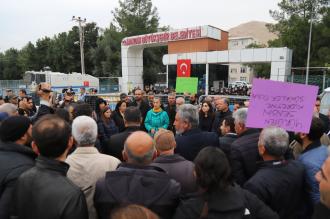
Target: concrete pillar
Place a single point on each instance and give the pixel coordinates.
(167, 76)
(132, 68)
(207, 80)
(280, 71)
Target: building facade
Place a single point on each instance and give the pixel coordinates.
(239, 71)
(207, 48)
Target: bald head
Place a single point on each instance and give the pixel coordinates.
(139, 148)
(164, 140)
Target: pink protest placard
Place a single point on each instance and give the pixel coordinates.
(286, 105)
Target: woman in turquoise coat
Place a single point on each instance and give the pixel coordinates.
(156, 118)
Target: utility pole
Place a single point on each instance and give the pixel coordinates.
(309, 46)
(81, 23)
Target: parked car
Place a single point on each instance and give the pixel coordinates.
(325, 101)
(240, 84)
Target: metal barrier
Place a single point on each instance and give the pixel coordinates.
(14, 85)
(232, 98)
(112, 99)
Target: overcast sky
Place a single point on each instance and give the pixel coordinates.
(22, 21)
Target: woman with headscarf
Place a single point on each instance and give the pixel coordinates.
(156, 118)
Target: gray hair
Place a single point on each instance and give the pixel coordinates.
(84, 130)
(275, 140)
(240, 115)
(144, 159)
(181, 99)
(8, 108)
(189, 113)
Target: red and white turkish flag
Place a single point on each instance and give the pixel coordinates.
(183, 67)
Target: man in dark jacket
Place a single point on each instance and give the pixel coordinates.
(322, 209)
(141, 104)
(170, 108)
(175, 166)
(115, 145)
(244, 150)
(136, 182)
(324, 118)
(44, 191)
(312, 157)
(190, 139)
(228, 134)
(278, 183)
(15, 157)
(222, 106)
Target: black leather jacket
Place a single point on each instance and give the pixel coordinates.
(14, 160)
(44, 191)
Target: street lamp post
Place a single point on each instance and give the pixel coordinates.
(309, 46)
(81, 40)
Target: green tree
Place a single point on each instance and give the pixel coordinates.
(27, 58)
(43, 53)
(2, 64)
(292, 27)
(321, 43)
(11, 69)
(106, 54)
(136, 17)
(91, 32)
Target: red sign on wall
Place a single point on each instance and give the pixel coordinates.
(183, 67)
(86, 83)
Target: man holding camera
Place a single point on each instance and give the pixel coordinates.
(45, 94)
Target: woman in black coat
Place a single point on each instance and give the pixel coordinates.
(118, 115)
(206, 117)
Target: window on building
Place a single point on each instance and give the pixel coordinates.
(233, 70)
(243, 69)
(242, 78)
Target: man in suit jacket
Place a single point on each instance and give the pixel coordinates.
(190, 139)
(141, 104)
(115, 145)
(324, 118)
(244, 153)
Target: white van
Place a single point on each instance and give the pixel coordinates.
(325, 101)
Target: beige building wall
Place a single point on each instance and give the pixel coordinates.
(240, 72)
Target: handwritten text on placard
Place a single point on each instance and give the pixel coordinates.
(286, 105)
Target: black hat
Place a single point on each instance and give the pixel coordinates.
(69, 91)
(13, 128)
(123, 96)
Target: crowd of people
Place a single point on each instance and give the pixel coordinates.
(149, 159)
